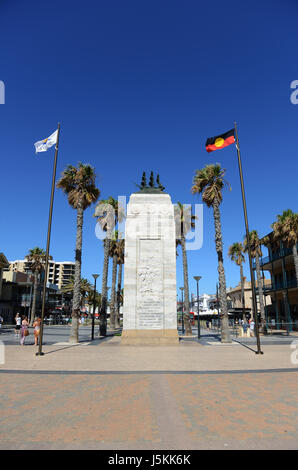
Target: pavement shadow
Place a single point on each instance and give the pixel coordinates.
(95, 342)
(62, 349)
(245, 346)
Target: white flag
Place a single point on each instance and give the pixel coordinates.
(44, 145)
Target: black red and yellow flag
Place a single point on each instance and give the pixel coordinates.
(220, 141)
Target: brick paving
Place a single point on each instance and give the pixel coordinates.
(107, 396)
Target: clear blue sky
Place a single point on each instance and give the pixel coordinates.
(140, 85)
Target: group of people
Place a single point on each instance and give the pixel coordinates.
(22, 328)
(248, 328)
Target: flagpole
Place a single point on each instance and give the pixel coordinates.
(248, 246)
(40, 353)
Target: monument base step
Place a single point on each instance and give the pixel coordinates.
(149, 337)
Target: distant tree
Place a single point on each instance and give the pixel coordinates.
(85, 288)
(256, 252)
(90, 299)
(120, 260)
(113, 255)
(236, 254)
(36, 258)
(184, 221)
(109, 212)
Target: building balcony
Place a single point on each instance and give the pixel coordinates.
(264, 260)
(291, 284)
(274, 256)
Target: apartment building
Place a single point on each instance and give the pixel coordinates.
(59, 272)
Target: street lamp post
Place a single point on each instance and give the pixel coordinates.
(93, 316)
(197, 278)
(182, 289)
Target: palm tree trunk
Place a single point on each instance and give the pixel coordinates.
(103, 307)
(118, 295)
(33, 308)
(225, 330)
(188, 330)
(74, 332)
(113, 294)
(242, 293)
(260, 292)
(295, 256)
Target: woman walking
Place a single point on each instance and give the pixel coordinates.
(24, 330)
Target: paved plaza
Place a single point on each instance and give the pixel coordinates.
(103, 395)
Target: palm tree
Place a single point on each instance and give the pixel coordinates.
(236, 254)
(79, 186)
(109, 212)
(37, 258)
(184, 221)
(209, 181)
(286, 230)
(120, 261)
(256, 252)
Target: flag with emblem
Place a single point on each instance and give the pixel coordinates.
(220, 141)
(45, 144)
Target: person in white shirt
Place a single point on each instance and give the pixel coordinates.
(252, 328)
(18, 321)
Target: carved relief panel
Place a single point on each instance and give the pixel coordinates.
(150, 284)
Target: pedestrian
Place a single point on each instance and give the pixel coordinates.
(1, 321)
(252, 328)
(18, 321)
(36, 330)
(207, 324)
(244, 326)
(24, 330)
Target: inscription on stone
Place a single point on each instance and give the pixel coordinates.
(150, 314)
(150, 321)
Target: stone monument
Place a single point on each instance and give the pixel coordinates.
(149, 309)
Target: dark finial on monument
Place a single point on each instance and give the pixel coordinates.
(160, 186)
(151, 181)
(144, 181)
(152, 187)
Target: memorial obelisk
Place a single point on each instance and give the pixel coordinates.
(150, 309)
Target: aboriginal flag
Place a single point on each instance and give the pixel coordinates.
(220, 141)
